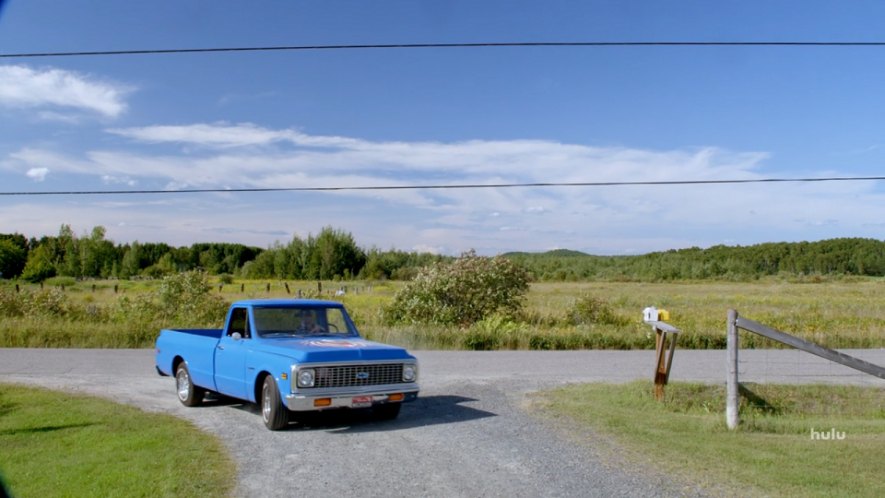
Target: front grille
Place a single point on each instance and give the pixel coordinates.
(359, 375)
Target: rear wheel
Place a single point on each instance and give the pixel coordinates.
(274, 414)
(188, 393)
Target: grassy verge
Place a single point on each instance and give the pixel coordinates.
(773, 452)
(56, 444)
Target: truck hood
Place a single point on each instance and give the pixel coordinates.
(331, 349)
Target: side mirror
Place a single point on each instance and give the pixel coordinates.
(236, 336)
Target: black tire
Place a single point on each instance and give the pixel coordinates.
(188, 393)
(387, 411)
(273, 413)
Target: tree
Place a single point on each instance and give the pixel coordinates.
(39, 266)
(12, 259)
(131, 264)
(338, 254)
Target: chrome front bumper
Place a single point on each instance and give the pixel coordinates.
(358, 397)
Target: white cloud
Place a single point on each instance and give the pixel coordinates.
(37, 174)
(217, 135)
(26, 87)
(430, 249)
(227, 135)
(118, 180)
(593, 219)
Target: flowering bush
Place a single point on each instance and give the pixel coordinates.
(462, 292)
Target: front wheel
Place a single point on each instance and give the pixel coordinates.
(274, 414)
(188, 393)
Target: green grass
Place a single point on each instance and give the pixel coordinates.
(771, 453)
(836, 313)
(58, 444)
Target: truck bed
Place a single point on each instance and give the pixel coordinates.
(197, 346)
(214, 333)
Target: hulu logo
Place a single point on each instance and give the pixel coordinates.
(830, 435)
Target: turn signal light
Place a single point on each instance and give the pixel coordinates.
(322, 402)
(395, 397)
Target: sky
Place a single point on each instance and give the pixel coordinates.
(399, 117)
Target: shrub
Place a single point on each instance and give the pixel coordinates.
(589, 310)
(187, 299)
(11, 303)
(461, 292)
(49, 302)
(494, 332)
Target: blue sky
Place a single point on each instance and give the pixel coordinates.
(434, 116)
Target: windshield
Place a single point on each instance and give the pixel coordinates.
(301, 321)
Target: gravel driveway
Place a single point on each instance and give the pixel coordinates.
(469, 434)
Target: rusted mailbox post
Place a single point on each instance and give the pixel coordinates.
(665, 346)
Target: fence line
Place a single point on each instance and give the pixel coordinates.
(810, 347)
(735, 323)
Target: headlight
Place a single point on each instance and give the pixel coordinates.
(410, 373)
(306, 377)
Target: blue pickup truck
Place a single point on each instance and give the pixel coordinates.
(288, 356)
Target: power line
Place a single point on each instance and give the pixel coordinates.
(597, 44)
(450, 187)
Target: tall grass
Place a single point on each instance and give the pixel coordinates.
(839, 313)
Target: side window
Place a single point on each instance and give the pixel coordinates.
(239, 322)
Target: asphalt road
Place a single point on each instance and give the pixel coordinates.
(471, 432)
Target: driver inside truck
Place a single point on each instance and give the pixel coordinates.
(309, 323)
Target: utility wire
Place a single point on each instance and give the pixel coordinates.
(598, 44)
(450, 187)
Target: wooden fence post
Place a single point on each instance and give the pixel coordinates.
(731, 385)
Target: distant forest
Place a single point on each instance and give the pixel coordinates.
(334, 255)
(845, 256)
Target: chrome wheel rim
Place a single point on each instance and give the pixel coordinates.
(183, 382)
(265, 402)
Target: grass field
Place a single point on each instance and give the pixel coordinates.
(58, 444)
(773, 453)
(838, 313)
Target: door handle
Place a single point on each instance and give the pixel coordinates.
(220, 347)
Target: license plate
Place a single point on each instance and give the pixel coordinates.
(361, 402)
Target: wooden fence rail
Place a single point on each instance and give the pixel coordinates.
(736, 322)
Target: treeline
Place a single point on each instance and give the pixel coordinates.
(844, 256)
(331, 255)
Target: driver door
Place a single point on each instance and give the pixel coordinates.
(230, 355)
